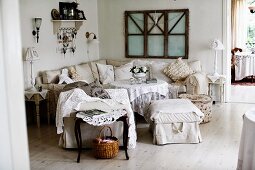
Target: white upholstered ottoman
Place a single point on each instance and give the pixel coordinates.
(174, 121)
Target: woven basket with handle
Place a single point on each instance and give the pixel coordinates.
(105, 147)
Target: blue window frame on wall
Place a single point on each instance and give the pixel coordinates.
(157, 34)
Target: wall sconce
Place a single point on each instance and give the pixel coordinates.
(37, 25)
(91, 36)
(252, 9)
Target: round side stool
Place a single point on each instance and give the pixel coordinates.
(203, 102)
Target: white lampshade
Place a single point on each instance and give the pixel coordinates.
(31, 54)
(217, 45)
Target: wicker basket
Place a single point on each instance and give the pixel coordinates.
(203, 102)
(106, 149)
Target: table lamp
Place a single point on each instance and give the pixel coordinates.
(31, 56)
(216, 45)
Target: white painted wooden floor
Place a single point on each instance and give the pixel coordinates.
(219, 149)
(242, 94)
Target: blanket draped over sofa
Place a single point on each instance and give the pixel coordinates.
(77, 100)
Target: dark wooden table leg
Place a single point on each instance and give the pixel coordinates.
(77, 130)
(125, 136)
(124, 119)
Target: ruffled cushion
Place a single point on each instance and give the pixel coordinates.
(178, 70)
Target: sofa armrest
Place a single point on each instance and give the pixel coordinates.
(197, 83)
(54, 91)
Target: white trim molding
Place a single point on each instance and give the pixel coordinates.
(226, 62)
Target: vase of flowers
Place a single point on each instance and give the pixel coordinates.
(139, 72)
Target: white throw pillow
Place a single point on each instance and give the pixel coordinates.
(123, 72)
(178, 70)
(106, 73)
(195, 66)
(85, 73)
(157, 68)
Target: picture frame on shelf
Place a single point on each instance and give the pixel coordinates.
(80, 15)
(67, 10)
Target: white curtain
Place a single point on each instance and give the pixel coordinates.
(239, 12)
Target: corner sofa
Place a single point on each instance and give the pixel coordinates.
(194, 83)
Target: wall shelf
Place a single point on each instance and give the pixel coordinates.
(58, 23)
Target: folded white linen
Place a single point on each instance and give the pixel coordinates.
(77, 100)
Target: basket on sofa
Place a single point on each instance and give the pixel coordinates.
(106, 147)
(203, 102)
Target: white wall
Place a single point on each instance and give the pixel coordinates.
(49, 58)
(205, 25)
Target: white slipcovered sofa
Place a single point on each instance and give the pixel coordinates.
(194, 83)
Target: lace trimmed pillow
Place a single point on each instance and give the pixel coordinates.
(178, 70)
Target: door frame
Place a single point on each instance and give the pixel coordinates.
(226, 61)
(14, 142)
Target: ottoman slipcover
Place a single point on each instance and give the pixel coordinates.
(174, 121)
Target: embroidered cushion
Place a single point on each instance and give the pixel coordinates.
(178, 70)
(106, 73)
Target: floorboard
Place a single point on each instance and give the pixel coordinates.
(219, 149)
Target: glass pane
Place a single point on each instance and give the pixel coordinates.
(173, 18)
(155, 22)
(135, 45)
(176, 45)
(156, 45)
(132, 27)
